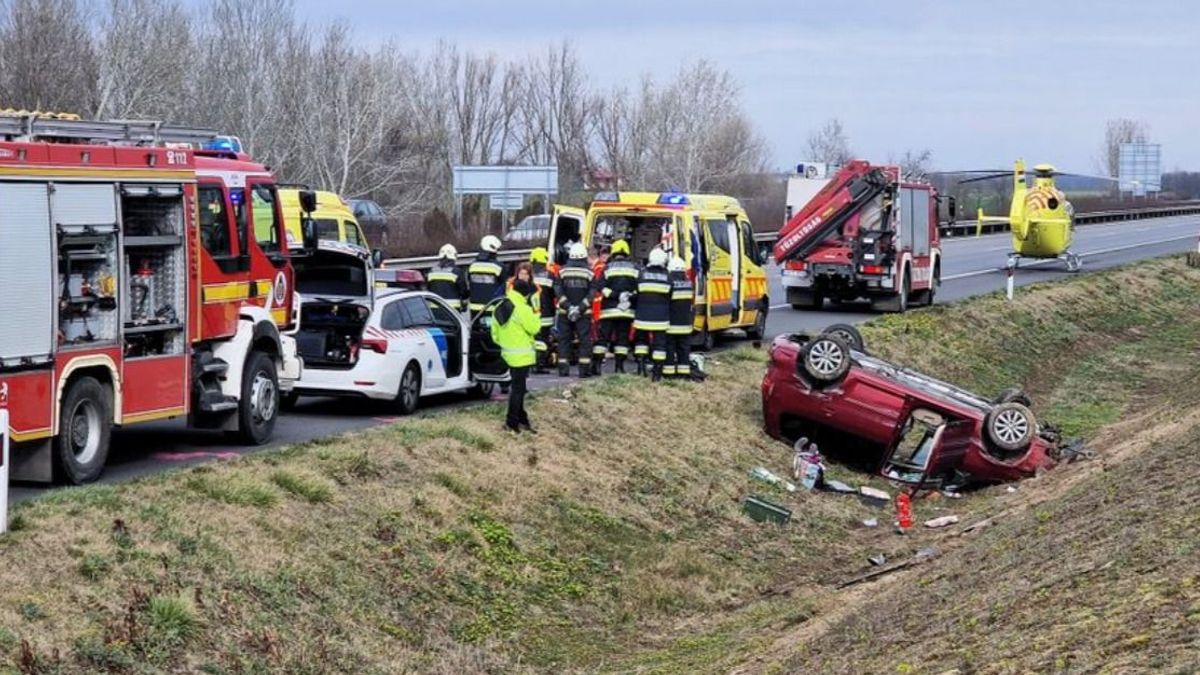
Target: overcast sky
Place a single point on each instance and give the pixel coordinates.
(978, 83)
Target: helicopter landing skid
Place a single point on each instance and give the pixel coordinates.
(1073, 261)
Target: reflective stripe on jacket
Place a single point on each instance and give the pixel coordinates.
(653, 300)
(486, 278)
(682, 300)
(448, 282)
(620, 276)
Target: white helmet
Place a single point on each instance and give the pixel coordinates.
(490, 243)
(448, 252)
(658, 257)
(577, 251)
(677, 264)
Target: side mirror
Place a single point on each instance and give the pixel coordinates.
(951, 207)
(309, 230)
(376, 258)
(308, 201)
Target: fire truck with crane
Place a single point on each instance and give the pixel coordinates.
(866, 234)
(145, 275)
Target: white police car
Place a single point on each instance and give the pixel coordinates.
(382, 343)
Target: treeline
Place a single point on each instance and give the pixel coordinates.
(1182, 184)
(379, 121)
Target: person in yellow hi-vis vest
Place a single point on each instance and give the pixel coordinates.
(515, 325)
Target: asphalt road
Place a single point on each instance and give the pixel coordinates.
(971, 266)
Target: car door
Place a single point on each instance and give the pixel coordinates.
(427, 340)
(720, 271)
(566, 226)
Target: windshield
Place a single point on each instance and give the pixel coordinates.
(911, 456)
(327, 228)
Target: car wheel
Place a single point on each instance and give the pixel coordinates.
(288, 401)
(1010, 426)
(848, 334)
(409, 394)
(483, 390)
(258, 408)
(1013, 394)
(827, 358)
(84, 429)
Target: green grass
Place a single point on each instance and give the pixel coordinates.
(311, 489)
(239, 492)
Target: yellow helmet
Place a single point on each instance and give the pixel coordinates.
(620, 247)
(539, 255)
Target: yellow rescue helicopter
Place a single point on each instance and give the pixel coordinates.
(1041, 219)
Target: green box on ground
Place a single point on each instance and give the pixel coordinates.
(762, 510)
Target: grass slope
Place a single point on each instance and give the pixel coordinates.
(615, 543)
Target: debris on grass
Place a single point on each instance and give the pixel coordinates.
(941, 522)
(874, 494)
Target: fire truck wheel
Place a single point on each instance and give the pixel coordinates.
(85, 423)
(258, 408)
(409, 394)
(827, 358)
(1010, 426)
(849, 334)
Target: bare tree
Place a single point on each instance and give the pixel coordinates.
(137, 76)
(47, 56)
(914, 164)
(829, 144)
(1118, 131)
(555, 121)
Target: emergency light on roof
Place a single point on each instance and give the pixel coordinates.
(672, 199)
(224, 144)
(606, 197)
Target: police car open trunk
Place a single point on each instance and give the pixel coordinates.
(335, 290)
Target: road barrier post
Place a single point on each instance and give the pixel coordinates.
(1010, 279)
(3, 470)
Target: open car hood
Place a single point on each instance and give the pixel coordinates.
(336, 270)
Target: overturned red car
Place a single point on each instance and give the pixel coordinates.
(929, 433)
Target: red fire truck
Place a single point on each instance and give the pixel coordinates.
(142, 279)
(866, 234)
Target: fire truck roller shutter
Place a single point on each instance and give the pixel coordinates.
(26, 278)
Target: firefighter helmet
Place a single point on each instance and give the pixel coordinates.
(658, 257)
(677, 265)
(448, 252)
(620, 247)
(539, 255)
(577, 251)
(490, 243)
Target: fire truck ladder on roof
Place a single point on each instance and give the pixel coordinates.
(33, 127)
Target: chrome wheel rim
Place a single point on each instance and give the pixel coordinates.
(262, 398)
(408, 390)
(826, 357)
(1011, 426)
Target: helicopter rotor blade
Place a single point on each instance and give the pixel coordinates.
(1007, 174)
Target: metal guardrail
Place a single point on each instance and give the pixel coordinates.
(958, 229)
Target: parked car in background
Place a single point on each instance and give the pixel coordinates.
(371, 216)
(931, 433)
(531, 229)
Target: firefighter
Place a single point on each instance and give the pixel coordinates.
(447, 279)
(618, 288)
(573, 289)
(679, 332)
(543, 277)
(652, 317)
(485, 275)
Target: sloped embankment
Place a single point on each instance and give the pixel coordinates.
(614, 540)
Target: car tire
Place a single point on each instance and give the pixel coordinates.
(826, 359)
(258, 408)
(1015, 394)
(849, 334)
(288, 401)
(84, 431)
(482, 390)
(408, 395)
(1010, 427)
(704, 340)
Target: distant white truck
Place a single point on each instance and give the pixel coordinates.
(803, 185)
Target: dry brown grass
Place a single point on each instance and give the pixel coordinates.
(615, 543)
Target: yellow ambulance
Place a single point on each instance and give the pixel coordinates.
(333, 219)
(710, 232)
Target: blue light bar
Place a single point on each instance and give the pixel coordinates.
(606, 197)
(673, 199)
(224, 144)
